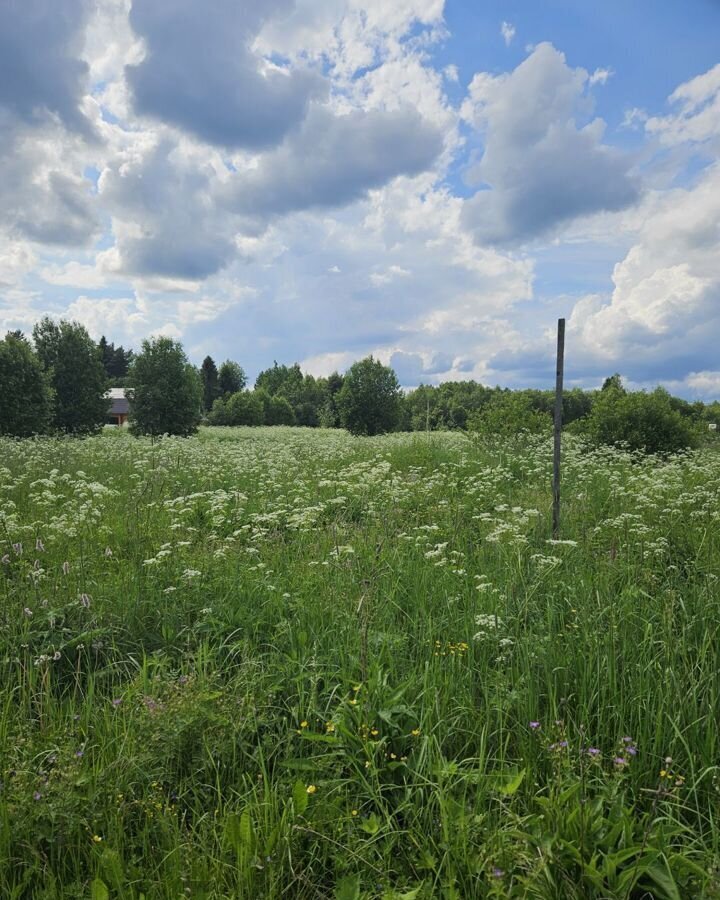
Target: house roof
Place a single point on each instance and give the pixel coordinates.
(119, 405)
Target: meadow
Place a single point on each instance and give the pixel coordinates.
(287, 662)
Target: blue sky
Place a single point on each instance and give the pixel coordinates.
(315, 180)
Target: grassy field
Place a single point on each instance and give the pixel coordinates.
(281, 662)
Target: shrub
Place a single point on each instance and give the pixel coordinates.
(509, 413)
(640, 421)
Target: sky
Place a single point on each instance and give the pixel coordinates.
(434, 182)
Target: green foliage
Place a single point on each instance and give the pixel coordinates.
(116, 360)
(369, 400)
(26, 398)
(614, 383)
(276, 410)
(509, 413)
(640, 421)
(241, 408)
(231, 378)
(286, 663)
(72, 361)
(165, 390)
(210, 383)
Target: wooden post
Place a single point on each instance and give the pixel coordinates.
(558, 426)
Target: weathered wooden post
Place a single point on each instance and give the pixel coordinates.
(558, 426)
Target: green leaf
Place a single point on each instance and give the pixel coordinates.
(371, 825)
(662, 878)
(348, 888)
(239, 832)
(300, 798)
(99, 890)
(512, 783)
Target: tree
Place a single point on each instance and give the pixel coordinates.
(211, 382)
(26, 399)
(614, 383)
(231, 378)
(244, 408)
(369, 400)
(165, 391)
(71, 358)
(508, 413)
(640, 421)
(116, 360)
(276, 410)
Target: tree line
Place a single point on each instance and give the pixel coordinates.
(58, 382)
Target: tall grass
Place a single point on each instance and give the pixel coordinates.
(278, 662)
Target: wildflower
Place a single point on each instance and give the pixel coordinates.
(57, 655)
(497, 872)
(620, 761)
(97, 839)
(311, 789)
(593, 751)
(5, 559)
(117, 701)
(330, 727)
(415, 732)
(304, 724)
(79, 753)
(27, 611)
(18, 548)
(354, 812)
(37, 795)
(534, 725)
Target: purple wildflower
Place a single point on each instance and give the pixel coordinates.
(117, 701)
(497, 872)
(79, 754)
(620, 761)
(593, 751)
(37, 795)
(534, 725)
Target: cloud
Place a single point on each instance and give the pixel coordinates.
(41, 73)
(165, 218)
(200, 72)
(663, 316)
(413, 368)
(44, 128)
(697, 116)
(336, 159)
(539, 169)
(508, 33)
(39, 200)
